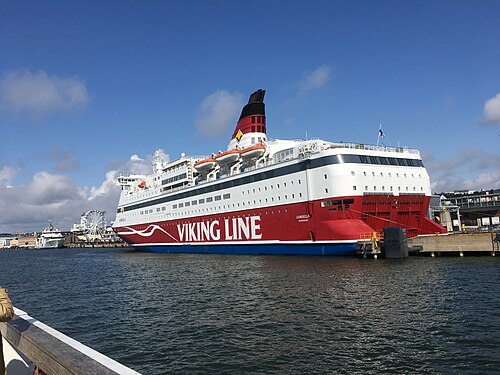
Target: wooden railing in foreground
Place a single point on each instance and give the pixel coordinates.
(54, 352)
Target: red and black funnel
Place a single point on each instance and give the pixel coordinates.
(253, 116)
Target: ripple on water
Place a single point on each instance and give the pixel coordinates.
(265, 315)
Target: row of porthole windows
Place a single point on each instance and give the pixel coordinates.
(216, 209)
(389, 174)
(223, 207)
(257, 213)
(271, 187)
(391, 188)
(201, 201)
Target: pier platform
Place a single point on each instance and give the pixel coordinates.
(461, 244)
(30, 343)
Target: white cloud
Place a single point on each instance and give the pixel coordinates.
(109, 185)
(7, 173)
(219, 113)
(40, 93)
(58, 198)
(135, 157)
(64, 161)
(491, 112)
(470, 170)
(316, 79)
(310, 81)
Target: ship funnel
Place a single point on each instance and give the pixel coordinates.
(252, 122)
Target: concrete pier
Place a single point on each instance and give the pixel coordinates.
(457, 243)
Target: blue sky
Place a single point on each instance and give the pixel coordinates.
(89, 89)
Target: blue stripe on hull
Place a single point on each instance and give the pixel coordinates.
(343, 249)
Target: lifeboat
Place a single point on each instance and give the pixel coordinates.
(205, 165)
(253, 152)
(142, 184)
(228, 157)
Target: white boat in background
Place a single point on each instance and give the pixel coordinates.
(50, 238)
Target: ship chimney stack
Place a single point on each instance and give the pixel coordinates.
(251, 126)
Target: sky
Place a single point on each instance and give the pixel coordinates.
(90, 89)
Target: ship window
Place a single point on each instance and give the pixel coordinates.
(181, 205)
(300, 195)
(201, 201)
(227, 196)
(209, 199)
(253, 140)
(259, 120)
(263, 128)
(293, 196)
(374, 188)
(187, 204)
(194, 202)
(354, 187)
(383, 188)
(364, 173)
(373, 174)
(326, 190)
(253, 119)
(326, 176)
(217, 198)
(157, 209)
(163, 208)
(352, 173)
(174, 206)
(299, 182)
(253, 129)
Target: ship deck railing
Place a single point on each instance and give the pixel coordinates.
(361, 146)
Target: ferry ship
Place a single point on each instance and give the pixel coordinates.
(50, 238)
(262, 196)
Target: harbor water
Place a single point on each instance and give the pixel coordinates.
(220, 314)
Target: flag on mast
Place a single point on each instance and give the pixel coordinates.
(380, 134)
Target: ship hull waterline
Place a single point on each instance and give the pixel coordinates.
(326, 249)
